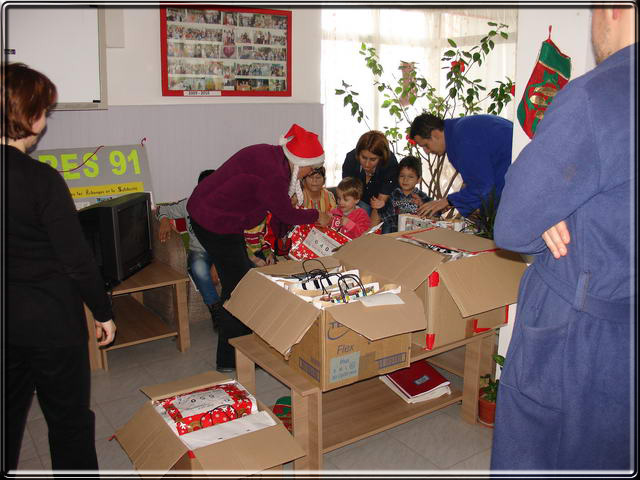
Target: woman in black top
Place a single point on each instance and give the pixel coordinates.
(375, 165)
(50, 272)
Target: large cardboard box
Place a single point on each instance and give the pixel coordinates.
(460, 297)
(337, 346)
(153, 446)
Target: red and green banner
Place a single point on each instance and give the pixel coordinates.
(551, 72)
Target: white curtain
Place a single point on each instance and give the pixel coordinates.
(410, 35)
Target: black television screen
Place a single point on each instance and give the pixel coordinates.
(119, 232)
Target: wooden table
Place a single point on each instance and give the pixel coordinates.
(323, 422)
(138, 324)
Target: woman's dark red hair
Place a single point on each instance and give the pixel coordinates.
(25, 95)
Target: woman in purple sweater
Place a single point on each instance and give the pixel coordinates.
(257, 179)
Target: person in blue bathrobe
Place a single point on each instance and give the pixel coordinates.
(478, 147)
(565, 394)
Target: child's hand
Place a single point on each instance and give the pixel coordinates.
(377, 203)
(344, 220)
(294, 200)
(271, 259)
(164, 230)
(416, 199)
(258, 262)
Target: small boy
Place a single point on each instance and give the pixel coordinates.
(348, 218)
(404, 199)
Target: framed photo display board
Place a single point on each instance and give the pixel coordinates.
(218, 51)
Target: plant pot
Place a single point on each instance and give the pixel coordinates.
(486, 411)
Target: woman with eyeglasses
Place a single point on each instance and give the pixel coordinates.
(314, 193)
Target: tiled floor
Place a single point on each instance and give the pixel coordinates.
(435, 442)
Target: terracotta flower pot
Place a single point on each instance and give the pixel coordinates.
(486, 411)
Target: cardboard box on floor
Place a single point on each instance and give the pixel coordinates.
(334, 347)
(152, 445)
(461, 297)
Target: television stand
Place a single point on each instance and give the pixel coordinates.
(137, 323)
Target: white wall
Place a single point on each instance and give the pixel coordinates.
(571, 32)
(134, 71)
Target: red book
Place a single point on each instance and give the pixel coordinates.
(417, 379)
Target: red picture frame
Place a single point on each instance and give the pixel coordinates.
(209, 51)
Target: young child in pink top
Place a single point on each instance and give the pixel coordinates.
(348, 218)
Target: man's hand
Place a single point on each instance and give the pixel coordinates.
(164, 230)
(557, 238)
(431, 208)
(324, 219)
(105, 332)
(377, 203)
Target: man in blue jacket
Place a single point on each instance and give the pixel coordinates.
(566, 389)
(478, 147)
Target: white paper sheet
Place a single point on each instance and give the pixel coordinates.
(379, 299)
(224, 431)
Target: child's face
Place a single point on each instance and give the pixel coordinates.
(407, 179)
(314, 182)
(346, 203)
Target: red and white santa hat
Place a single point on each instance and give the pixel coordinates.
(302, 149)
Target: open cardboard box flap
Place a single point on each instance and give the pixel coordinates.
(397, 261)
(463, 242)
(152, 445)
(484, 282)
(381, 321)
(281, 318)
(278, 317)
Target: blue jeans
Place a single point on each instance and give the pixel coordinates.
(199, 266)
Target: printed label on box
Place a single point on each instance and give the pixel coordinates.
(344, 367)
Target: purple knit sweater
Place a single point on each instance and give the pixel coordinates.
(238, 195)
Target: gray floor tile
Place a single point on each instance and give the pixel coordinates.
(443, 439)
(111, 456)
(35, 411)
(118, 412)
(111, 385)
(32, 463)
(478, 463)
(381, 453)
(179, 366)
(27, 449)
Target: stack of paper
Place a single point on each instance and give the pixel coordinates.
(417, 383)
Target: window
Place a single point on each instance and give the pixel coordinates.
(411, 35)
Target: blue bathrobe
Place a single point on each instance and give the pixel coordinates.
(565, 392)
(479, 148)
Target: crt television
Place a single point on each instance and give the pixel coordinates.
(119, 233)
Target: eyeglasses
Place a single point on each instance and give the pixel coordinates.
(315, 176)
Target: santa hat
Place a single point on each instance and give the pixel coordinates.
(302, 149)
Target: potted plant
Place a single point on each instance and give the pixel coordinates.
(489, 396)
(465, 95)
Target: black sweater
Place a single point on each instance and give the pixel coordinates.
(50, 269)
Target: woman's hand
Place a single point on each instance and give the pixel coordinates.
(377, 203)
(105, 332)
(430, 208)
(165, 229)
(324, 219)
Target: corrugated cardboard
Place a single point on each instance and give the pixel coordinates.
(333, 347)
(460, 297)
(152, 445)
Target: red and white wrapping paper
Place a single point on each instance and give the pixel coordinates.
(188, 412)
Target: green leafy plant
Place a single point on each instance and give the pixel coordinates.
(490, 390)
(465, 96)
(483, 219)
